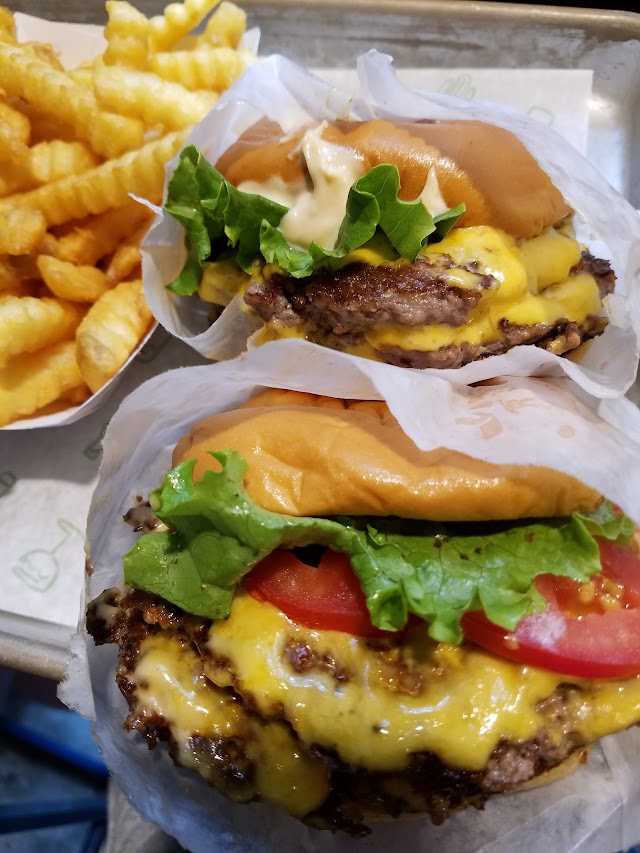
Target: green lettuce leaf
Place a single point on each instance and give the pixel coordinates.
(216, 216)
(217, 534)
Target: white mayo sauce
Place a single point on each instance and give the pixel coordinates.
(317, 207)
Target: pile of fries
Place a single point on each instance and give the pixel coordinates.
(75, 145)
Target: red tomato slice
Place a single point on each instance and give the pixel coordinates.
(326, 596)
(589, 631)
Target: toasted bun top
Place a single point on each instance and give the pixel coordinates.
(482, 165)
(320, 456)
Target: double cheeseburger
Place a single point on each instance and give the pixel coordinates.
(427, 244)
(319, 615)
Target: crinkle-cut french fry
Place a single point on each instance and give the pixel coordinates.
(112, 134)
(28, 324)
(14, 134)
(16, 270)
(14, 178)
(83, 75)
(224, 28)
(43, 127)
(127, 35)
(72, 397)
(110, 331)
(45, 162)
(204, 68)
(125, 263)
(26, 76)
(75, 283)
(7, 26)
(48, 245)
(31, 381)
(146, 96)
(177, 20)
(43, 51)
(76, 395)
(138, 172)
(88, 240)
(21, 230)
(50, 161)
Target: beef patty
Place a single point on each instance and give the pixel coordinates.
(353, 794)
(338, 306)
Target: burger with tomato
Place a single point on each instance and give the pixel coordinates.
(319, 615)
(425, 244)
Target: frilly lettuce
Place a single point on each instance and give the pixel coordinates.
(437, 571)
(219, 219)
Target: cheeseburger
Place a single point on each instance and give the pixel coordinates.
(319, 615)
(422, 244)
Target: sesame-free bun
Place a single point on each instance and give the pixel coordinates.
(479, 164)
(320, 456)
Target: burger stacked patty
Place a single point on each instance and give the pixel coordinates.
(354, 794)
(337, 306)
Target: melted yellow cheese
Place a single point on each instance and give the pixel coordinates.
(520, 284)
(574, 299)
(465, 702)
(530, 284)
(378, 251)
(169, 681)
(534, 286)
(487, 251)
(221, 281)
(548, 258)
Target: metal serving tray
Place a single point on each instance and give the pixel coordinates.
(416, 33)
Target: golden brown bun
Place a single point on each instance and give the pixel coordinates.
(482, 165)
(320, 456)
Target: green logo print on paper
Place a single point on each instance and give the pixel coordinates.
(7, 480)
(39, 568)
(462, 86)
(156, 343)
(93, 451)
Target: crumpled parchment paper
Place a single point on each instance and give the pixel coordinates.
(284, 92)
(546, 421)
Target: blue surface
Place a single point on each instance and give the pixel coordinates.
(52, 779)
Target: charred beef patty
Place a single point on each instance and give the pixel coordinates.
(361, 295)
(557, 338)
(338, 306)
(352, 794)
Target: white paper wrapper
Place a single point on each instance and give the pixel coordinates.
(516, 420)
(284, 92)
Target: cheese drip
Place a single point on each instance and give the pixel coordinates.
(534, 286)
(468, 701)
(169, 681)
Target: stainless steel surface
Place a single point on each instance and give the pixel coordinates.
(416, 33)
(33, 646)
